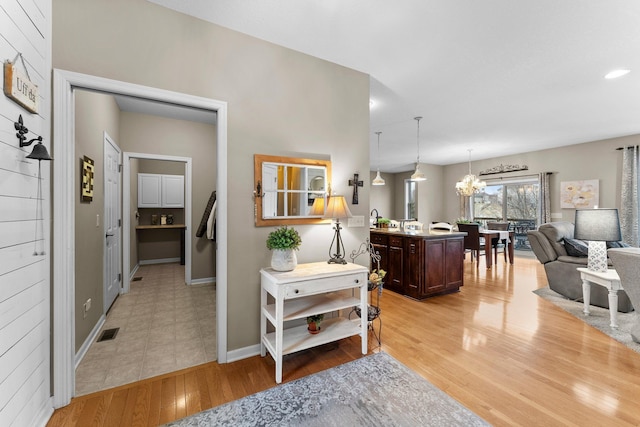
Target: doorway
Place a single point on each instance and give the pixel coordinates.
(65, 83)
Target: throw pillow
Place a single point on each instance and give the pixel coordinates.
(576, 247)
(617, 245)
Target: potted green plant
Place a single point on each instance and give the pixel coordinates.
(283, 242)
(313, 323)
(383, 222)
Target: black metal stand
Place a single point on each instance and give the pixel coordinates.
(338, 257)
(373, 311)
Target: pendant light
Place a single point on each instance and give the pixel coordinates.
(470, 184)
(417, 175)
(378, 180)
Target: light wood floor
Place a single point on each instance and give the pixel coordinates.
(497, 348)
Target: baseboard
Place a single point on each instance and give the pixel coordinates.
(158, 261)
(44, 414)
(87, 343)
(243, 353)
(203, 281)
(134, 271)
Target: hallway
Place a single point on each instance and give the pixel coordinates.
(164, 326)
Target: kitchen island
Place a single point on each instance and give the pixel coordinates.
(420, 264)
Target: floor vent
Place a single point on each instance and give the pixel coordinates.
(136, 279)
(108, 334)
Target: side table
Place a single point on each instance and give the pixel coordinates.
(314, 288)
(609, 280)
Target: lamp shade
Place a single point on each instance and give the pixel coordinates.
(597, 225)
(337, 208)
(378, 180)
(317, 209)
(418, 175)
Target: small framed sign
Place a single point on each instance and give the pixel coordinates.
(87, 179)
(18, 87)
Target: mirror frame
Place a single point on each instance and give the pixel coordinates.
(258, 160)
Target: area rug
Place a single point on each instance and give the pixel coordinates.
(376, 390)
(598, 318)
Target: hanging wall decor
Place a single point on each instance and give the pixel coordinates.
(87, 179)
(18, 86)
(579, 194)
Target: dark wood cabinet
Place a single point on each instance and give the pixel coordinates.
(422, 265)
(380, 245)
(395, 270)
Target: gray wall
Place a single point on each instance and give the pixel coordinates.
(281, 102)
(383, 197)
(142, 133)
(94, 114)
(592, 160)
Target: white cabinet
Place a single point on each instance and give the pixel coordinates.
(160, 191)
(311, 289)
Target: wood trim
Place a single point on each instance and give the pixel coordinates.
(64, 84)
(258, 159)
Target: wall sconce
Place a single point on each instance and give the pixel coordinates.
(38, 153)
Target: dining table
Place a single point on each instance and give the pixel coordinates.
(506, 235)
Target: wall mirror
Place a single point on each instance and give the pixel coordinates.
(290, 190)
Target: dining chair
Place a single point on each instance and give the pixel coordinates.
(472, 241)
(495, 242)
(440, 226)
(412, 226)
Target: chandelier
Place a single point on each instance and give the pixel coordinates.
(470, 184)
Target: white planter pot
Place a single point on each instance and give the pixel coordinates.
(283, 259)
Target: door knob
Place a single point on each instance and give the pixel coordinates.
(109, 235)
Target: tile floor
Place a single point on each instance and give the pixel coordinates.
(164, 326)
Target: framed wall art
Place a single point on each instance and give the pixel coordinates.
(579, 194)
(87, 179)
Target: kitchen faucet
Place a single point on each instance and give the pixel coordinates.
(377, 215)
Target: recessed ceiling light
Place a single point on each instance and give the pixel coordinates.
(616, 73)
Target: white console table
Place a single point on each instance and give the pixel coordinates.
(311, 289)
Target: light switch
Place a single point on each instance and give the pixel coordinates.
(356, 221)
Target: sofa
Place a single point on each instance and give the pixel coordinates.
(554, 246)
(627, 263)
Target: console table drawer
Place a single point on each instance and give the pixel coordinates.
(317, 286)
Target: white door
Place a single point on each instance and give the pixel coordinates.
(112, 222)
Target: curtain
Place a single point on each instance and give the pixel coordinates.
(545, 201)
(629, 200)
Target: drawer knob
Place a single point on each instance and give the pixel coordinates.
(357, 280)
(297, 291)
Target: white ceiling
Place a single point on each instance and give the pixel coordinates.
(496, 76)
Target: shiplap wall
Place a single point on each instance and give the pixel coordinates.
(25, 27)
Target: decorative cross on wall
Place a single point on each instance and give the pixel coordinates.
(355, 184)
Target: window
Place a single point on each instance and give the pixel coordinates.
(410, 199)
(514, 201)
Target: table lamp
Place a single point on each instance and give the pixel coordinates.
(597, 226)
(337, 208)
